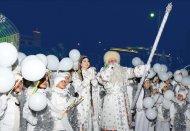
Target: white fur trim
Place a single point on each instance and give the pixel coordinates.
(58, 79)
(111, 55)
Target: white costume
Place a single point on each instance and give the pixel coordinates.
(85, 108)
(9, 113)
(60, 100)
(163, 118)
(116, 114)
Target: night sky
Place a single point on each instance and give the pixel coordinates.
(99, 25)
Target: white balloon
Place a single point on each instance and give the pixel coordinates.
(158, 99)
(166, 104)
(37, 102)
(169, 95)
(74, 54)
(136, 61)
(177, 72)
(157, 67)
(185, 81)
(8, 54)
(76, 66)
(184, 72)
(21, 57)
(170, 74)
(151, 114)
(53, 62)
(178, 77)
(163, 76)
(7, 80)
(148, 102)
(43, 58)
(66, 64)
(30, 57)
(151, 73)
(164, 68)
(10, 68)
(33, 69)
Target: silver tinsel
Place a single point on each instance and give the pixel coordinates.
(166, 113)
(21, 99)
(73, 120)
(179, 119)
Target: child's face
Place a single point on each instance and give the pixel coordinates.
(44, 83)
(157, 81)
(164, 89)
(155, 91)
(61, 84)
(68, 79)
(147, 84)
(180, 97)
(18, 86)
(167, 82)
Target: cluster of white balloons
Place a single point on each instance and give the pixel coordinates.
(8, 56)
(33, 68)
(148, 103)
(161, 70)
(181, 76)
(68, 63)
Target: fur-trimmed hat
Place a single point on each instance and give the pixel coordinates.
(162, 84)
(155, 78)
(111, 55)
(58, 79)
(183, 93)
(63, 74)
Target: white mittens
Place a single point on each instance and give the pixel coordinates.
(32, 120)
(3, 102)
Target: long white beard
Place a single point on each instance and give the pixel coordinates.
(118, 75)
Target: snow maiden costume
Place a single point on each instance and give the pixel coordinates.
(82, 83)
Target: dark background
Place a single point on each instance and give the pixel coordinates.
(94, 27)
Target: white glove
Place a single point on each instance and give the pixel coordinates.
(4, 99)
(106, 75)
(59, 116)
(32, 120)
(140, 70)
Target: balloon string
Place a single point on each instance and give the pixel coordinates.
(36, 87)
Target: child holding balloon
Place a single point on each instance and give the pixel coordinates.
(10, 112)
(37, 115)
(163, 118)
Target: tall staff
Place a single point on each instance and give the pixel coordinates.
(168, 9)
